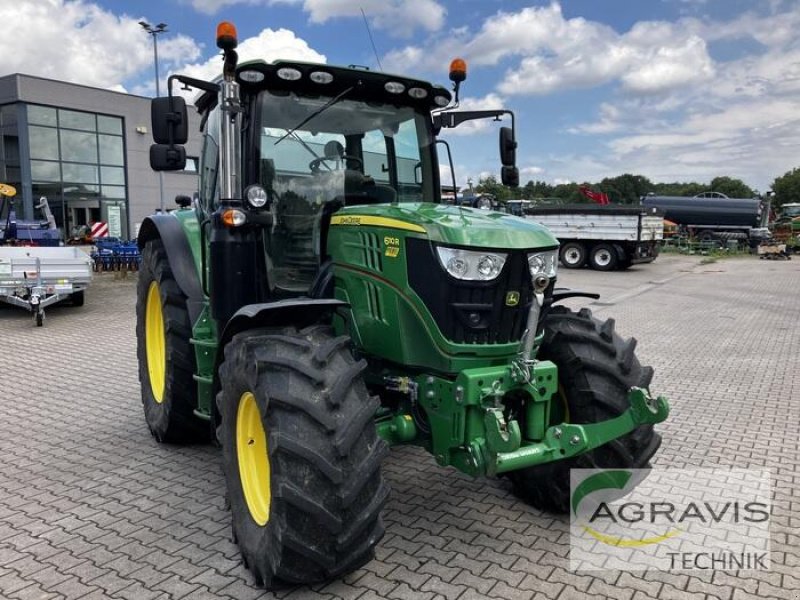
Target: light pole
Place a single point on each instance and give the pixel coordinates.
(155, 31)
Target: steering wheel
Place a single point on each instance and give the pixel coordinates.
(315, 164)
(334, 151)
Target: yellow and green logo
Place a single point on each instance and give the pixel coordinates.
(512, 298)
(608, 484)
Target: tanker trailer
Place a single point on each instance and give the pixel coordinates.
(714, 216)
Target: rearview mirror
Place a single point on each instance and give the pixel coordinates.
(508, 147)
(509, 176)
(164, 157)
(170, 120)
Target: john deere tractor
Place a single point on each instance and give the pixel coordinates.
(316, 304)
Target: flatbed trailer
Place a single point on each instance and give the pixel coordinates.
(34, 278)
(606, 237)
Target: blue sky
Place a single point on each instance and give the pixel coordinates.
(671, 89)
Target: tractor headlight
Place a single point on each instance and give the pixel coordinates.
(256, 196)
(543, 263)
(471, 265)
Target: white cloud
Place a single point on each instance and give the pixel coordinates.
(530, 171)
(745, 124)
(557, 53)
(82, 43)
(400, 17)
(397, 17)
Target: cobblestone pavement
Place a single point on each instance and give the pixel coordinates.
(91, 507)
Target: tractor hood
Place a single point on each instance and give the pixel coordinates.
(452, 225)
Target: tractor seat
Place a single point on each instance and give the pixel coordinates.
(362, 189)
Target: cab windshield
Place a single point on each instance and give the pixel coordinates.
(360, 152)
(351, 152)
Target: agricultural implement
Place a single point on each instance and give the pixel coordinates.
(318, 304)
(34, 277)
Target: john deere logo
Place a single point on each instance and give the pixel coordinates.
(512, 298)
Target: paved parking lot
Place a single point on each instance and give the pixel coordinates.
(91, 507)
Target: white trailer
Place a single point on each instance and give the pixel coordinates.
(606, 237)
(33, 278)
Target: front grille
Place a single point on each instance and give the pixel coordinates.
(471, 312)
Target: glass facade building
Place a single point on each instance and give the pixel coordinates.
(87, 151)
(77, 161)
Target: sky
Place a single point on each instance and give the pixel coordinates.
(676, 90)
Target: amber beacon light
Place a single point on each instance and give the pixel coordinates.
(458, 70)
(226, 36)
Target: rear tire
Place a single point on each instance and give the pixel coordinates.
(573, 255)
(596, 368)
(78, 298)
(305, 488)
(169, 393)
(603, 257)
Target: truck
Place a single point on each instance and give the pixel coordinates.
(318, 304)
(713, 216)
(606, 237)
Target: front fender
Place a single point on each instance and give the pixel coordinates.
(300, 312)
(172, 234)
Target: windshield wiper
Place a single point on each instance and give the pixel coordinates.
(320, 110)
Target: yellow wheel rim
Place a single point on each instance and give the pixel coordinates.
(155, 342)
(251, 450)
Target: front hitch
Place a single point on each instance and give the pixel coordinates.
(569, 439)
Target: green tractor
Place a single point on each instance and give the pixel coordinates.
(316, 303)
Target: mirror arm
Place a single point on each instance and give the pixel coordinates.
(452, 170)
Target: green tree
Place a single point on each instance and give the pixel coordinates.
(490, 185)
(787, 187)
(735, 188)
(677, 188)
(626, 188)
(537, 189)
(568, 193)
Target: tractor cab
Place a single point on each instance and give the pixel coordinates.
(359, 144)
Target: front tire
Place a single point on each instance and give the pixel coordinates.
(596, 368)
(301, 455)
(166, 358)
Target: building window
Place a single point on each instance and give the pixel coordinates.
(112, 125)
(111, 152)
(42, 115)
(72, 119)
(77, 162)
(78, 146)
(112, 175)
(43, 142)
(42, 170)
